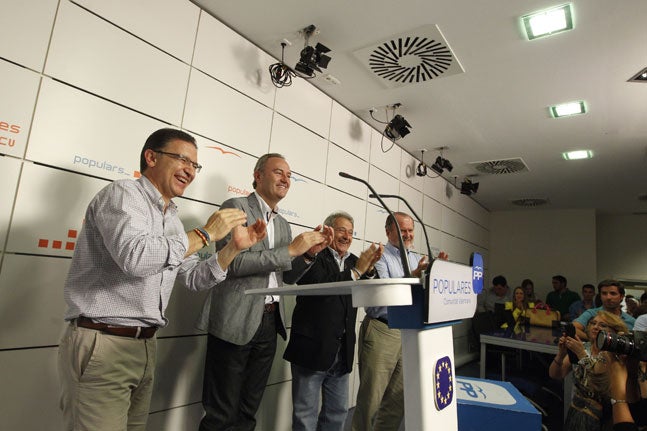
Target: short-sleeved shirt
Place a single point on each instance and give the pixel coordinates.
(591, 312)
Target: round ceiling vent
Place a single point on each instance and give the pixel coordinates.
(497, 167)
(410, 59)
(530, 202)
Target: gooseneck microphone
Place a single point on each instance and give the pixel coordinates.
(403, 252)
(424, 230)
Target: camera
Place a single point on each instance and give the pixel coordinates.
(631, 344)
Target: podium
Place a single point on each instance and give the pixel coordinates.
(424, 310)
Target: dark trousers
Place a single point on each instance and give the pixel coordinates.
(235, 378)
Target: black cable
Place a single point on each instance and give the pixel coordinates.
(280, 73)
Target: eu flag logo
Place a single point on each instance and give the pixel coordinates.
(444, 383)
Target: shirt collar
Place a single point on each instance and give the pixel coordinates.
(337, 255)
(154, 195)
(268, 213)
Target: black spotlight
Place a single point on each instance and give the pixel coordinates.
(312, 59)
(441, 164)
(468, 187)
(421, 171)
(397, 128)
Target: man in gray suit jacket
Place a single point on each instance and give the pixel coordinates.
(242, 328)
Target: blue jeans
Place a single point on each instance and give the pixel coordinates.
(307, 385)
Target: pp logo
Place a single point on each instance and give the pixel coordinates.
(477, 272)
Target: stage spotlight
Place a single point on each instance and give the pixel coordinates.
(313, 59)
(421, 171)
(441, 164)
(397, 128)
(468, 187)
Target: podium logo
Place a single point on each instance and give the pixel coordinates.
(444, 380)
(477, 272)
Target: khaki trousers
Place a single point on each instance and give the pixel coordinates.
(106, 380)
(380, 399)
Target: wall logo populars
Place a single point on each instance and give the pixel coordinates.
(8, 134)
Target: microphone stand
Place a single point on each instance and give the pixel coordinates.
(403, 252)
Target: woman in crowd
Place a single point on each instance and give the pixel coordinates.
(529, 289)
(590, 373)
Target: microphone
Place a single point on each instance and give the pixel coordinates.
(403, 252)
(424, 230)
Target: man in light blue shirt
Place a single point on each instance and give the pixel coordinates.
(612, 292)
(380, 399)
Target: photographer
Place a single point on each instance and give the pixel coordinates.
(590, 373)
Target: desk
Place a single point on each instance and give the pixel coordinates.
(537, 339)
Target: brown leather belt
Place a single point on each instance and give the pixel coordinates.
(120, 331)
(271, 307)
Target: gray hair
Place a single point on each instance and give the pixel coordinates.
(333, 216)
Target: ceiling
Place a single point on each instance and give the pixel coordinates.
(493, 103)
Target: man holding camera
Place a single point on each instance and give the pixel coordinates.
(612, 292)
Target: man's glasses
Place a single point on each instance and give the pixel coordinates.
(183, 159)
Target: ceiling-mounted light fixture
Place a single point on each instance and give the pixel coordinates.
(397, 128)
(468, 187)
(312, 58)
(578, 155)
(548, 22)
(441, 164)
(567, 109)
(421, 170)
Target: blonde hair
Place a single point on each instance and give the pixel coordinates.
(613, 320)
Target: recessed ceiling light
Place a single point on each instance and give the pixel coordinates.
(565, 109)
(640, 76)
(548, 22)
(577, 155)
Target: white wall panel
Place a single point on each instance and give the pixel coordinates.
(458, 250)
(342, 160)
(9, 169)
(18, 88)
(384, 184)
(375, 221)
(303, 204)
(96, 144)
(435, 241)
(432, 212)
(31, 388)
(434, 186)
(408, 166)
(335, 200)
(305, 151)
(223, 54)
(179, 418)
(226, 173)
(31, 300)
(274, 413)
(350, 132)
(97, 56)
(280, 371)
(388, 161)
(227, 116)
(305, 104)
(413, 197)
(26, 27)
(168, 24)
(50, 208)
(178, 377)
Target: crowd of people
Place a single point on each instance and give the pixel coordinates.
(609, 372)
(133, 248)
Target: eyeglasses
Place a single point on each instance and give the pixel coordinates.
(601, 325)
(184, 159)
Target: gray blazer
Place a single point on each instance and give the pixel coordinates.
(234, 317)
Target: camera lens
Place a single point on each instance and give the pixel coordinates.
(611, 342)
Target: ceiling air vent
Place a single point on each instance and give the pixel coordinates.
(530, 202)
(499, 167)
(418, 55)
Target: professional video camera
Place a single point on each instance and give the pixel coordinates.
(632, 343)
